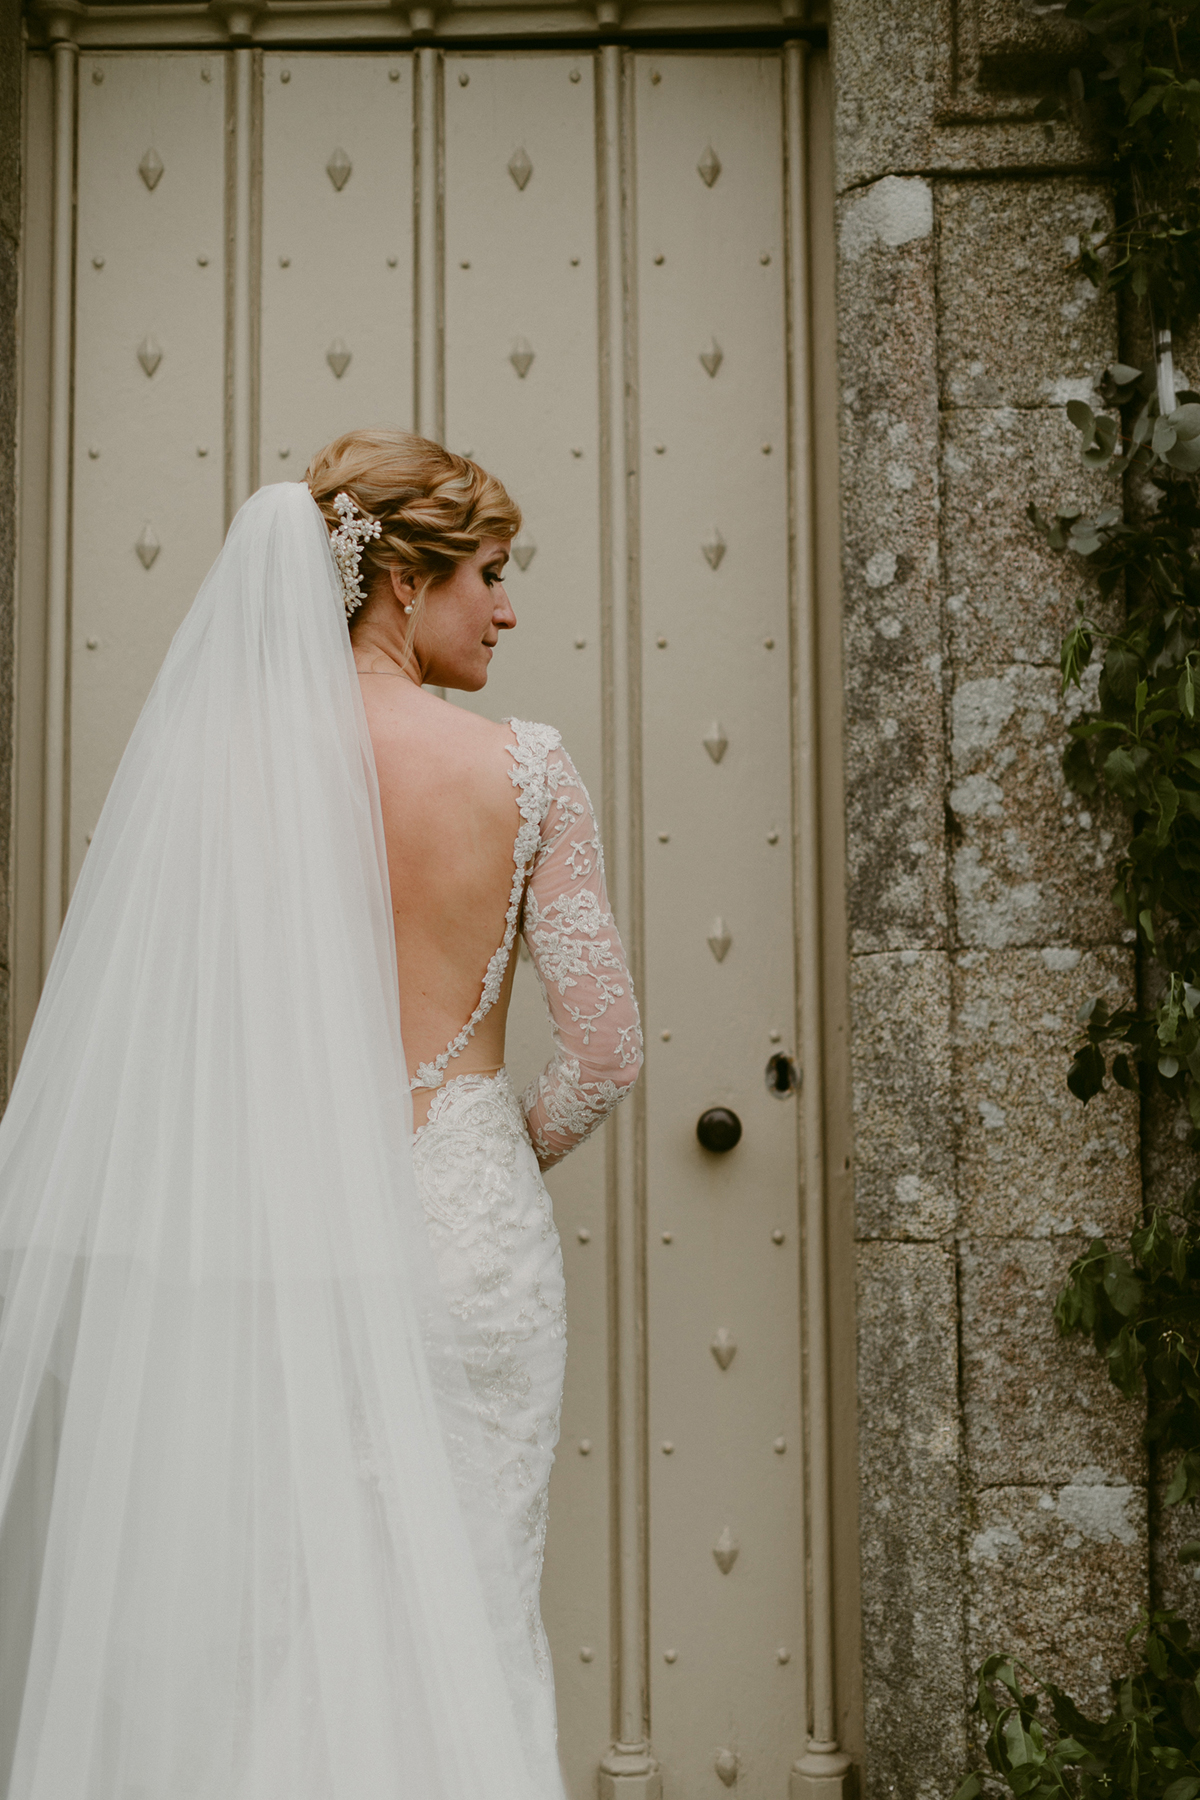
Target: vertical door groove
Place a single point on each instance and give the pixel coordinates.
(428, 382)
(822, 1764)
(629, 1765)
(66, 57)
(243, 174)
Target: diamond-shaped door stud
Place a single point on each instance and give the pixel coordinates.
(338, 357)
(715, 741)
(724, 1348)
(151, 168)
(524, 550)
(726, 1766)
(147, 546)
(719, 939)
(713, 356)
(714, 549)
(709, 166)
(149, 353)
(520, 167)
(339, 169)
(521, 357)
(725, 1551)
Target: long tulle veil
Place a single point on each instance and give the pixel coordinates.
(248, 1551)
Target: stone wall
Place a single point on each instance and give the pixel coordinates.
(10, 228)
(1003, 1485)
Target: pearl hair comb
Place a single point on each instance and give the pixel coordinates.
(347, 542)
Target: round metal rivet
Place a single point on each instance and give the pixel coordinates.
(765, 258)
(580, 643)
(587, 1654)
(775, 1036)
(206, 74)
(97, 76)
(201, 449)
(97, 262)
(670, 1656)
(285, 450)
(668, 1237)
(392, 261)
(203, 261)
(660, 449)
(664, 837)
(668, 1448)
(574, 75)
(285, 262)
(783, 1654)
(585, 1446)
(285, 74)
(655, 77)
(93, 643)
(660, 258)
(780, 1446)
(768, 643)
(574, 262)
(772, 838)
(584, 1235)
(576, 450)
(93, 451)
(777, 1237)
(464, 80)
(766, 449)
(464, 265)
(393, 74)
(88, 838)
(665, 1036)
(662, 643)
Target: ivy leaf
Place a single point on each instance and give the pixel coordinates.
(1187, 1787)
(1078, 770)
(1167, 796)
(1084, 420)
(1120, 773)
(1085, 1077)
(971, 1789)
(1122, 1286)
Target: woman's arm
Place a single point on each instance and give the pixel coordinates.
(577, 952)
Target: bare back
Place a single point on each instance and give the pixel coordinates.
(450, 818)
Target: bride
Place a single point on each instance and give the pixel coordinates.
(283, 1333)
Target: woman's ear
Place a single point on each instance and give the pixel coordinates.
(404, 585)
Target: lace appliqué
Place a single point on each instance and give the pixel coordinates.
(498, 1256)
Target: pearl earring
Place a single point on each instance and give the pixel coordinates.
(408, 608)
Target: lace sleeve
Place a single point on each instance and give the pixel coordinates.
(577, 952)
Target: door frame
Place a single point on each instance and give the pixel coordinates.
(829, 1742)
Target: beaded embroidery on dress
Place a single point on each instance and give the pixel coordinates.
(558, 881)
(476, 1157)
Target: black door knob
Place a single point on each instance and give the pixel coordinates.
(718, 1128)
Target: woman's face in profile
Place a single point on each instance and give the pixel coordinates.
(461, 621)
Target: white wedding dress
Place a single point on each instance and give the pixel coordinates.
(490, 1219)
(279, 1379)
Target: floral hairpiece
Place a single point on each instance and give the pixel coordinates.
(347, 546)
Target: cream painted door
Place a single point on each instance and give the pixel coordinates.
(574, 267)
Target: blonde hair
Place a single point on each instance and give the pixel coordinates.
(434, 508)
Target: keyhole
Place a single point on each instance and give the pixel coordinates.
(781, 1076)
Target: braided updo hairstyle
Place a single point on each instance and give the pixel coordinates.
(435, 508)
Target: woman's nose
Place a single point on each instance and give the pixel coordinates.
(504, 618)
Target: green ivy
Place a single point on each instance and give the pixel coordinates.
(1135, 743)
(1043, 1747)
